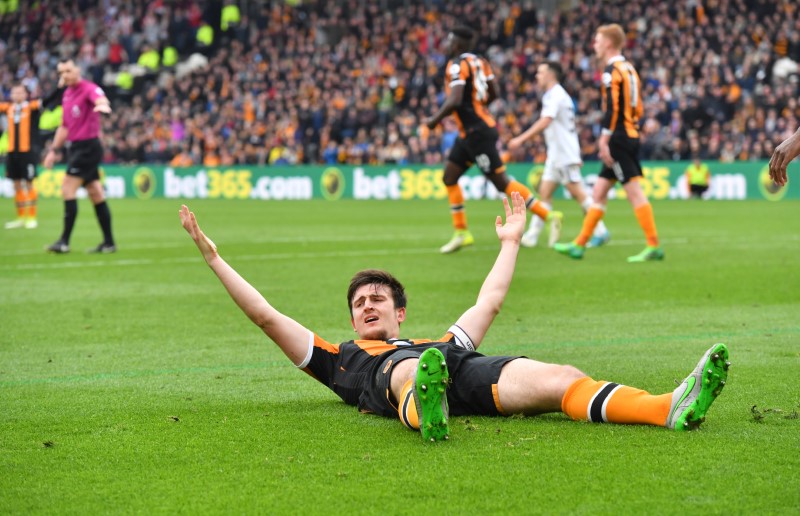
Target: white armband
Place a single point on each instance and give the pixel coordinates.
(461, 338)
(310, 351)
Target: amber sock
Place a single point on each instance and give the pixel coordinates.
(606, 402)
(593, 216)
(20, 201)
(407, 408)
(644, 214)
(33, 196)
(531, 202)
(456, 197)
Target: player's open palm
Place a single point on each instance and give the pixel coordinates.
(514, 227)
(783, 155)
(189, 222)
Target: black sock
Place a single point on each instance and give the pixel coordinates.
(70, 214)
(104, 218)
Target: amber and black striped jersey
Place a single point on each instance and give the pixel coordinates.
(474, 73)
(23, 124)
(348, 368)
(622, 99)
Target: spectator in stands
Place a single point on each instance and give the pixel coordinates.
(320, 69)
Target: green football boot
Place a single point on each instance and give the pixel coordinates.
(571, 249)
(430, 395)
(650, 253)
(692, 399)
(461, 238)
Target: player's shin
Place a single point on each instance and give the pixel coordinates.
(607, 402)
(456, 198)
(590, 221)
(407, 408)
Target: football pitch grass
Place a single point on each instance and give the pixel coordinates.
(131, 383)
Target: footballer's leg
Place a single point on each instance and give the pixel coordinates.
(644, 214)
(601, 235)
(594, 214)
(531, 236)
(683, 409)
(461, 235)
(423, 400)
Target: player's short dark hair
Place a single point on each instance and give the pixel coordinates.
(464, 32)
(557, 69)
(376, 277)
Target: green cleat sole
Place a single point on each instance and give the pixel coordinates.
(431, 397)
(691, 411)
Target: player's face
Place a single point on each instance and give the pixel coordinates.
(600, 45)
(374, 314)
(18, 94)
(68, 73)
(543, 75)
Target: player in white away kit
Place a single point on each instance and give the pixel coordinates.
(563, 164)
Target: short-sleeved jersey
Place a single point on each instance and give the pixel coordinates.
(23, 124)
(622, 99)
(347, 368)
(79, 118)
(474, 73)
(561, 135)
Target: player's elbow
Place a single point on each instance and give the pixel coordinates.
(492, 305)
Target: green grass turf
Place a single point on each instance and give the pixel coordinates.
(130, 383)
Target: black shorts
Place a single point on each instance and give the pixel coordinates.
(698, 189)
(473, 381)
(84, 158)
(626, 161)
(21, 165)
(479, 148)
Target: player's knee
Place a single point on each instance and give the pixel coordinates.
(568, 374)
(450, 178)
(500, 181)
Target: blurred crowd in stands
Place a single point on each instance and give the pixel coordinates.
(325, 81)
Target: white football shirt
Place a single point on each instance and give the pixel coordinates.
(561, 136)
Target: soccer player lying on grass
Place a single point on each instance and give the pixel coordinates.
(423, 381)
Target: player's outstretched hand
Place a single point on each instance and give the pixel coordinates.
(515, 143)
(516, 213)
(102, 108)
(206, 246)
(783, 155)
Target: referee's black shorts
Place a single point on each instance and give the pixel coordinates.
(625, 152)
(84, 158)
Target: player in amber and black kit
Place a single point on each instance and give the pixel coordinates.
(470, 87)
(422, 382)
(23, 153)
(618, 146)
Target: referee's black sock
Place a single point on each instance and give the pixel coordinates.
(104, 218)
(70, 214)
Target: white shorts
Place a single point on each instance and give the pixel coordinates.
(563, 174)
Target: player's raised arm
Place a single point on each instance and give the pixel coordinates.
(783, 155)
(288, 334)
(476, 321)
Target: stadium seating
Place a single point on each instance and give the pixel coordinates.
(349, 82)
